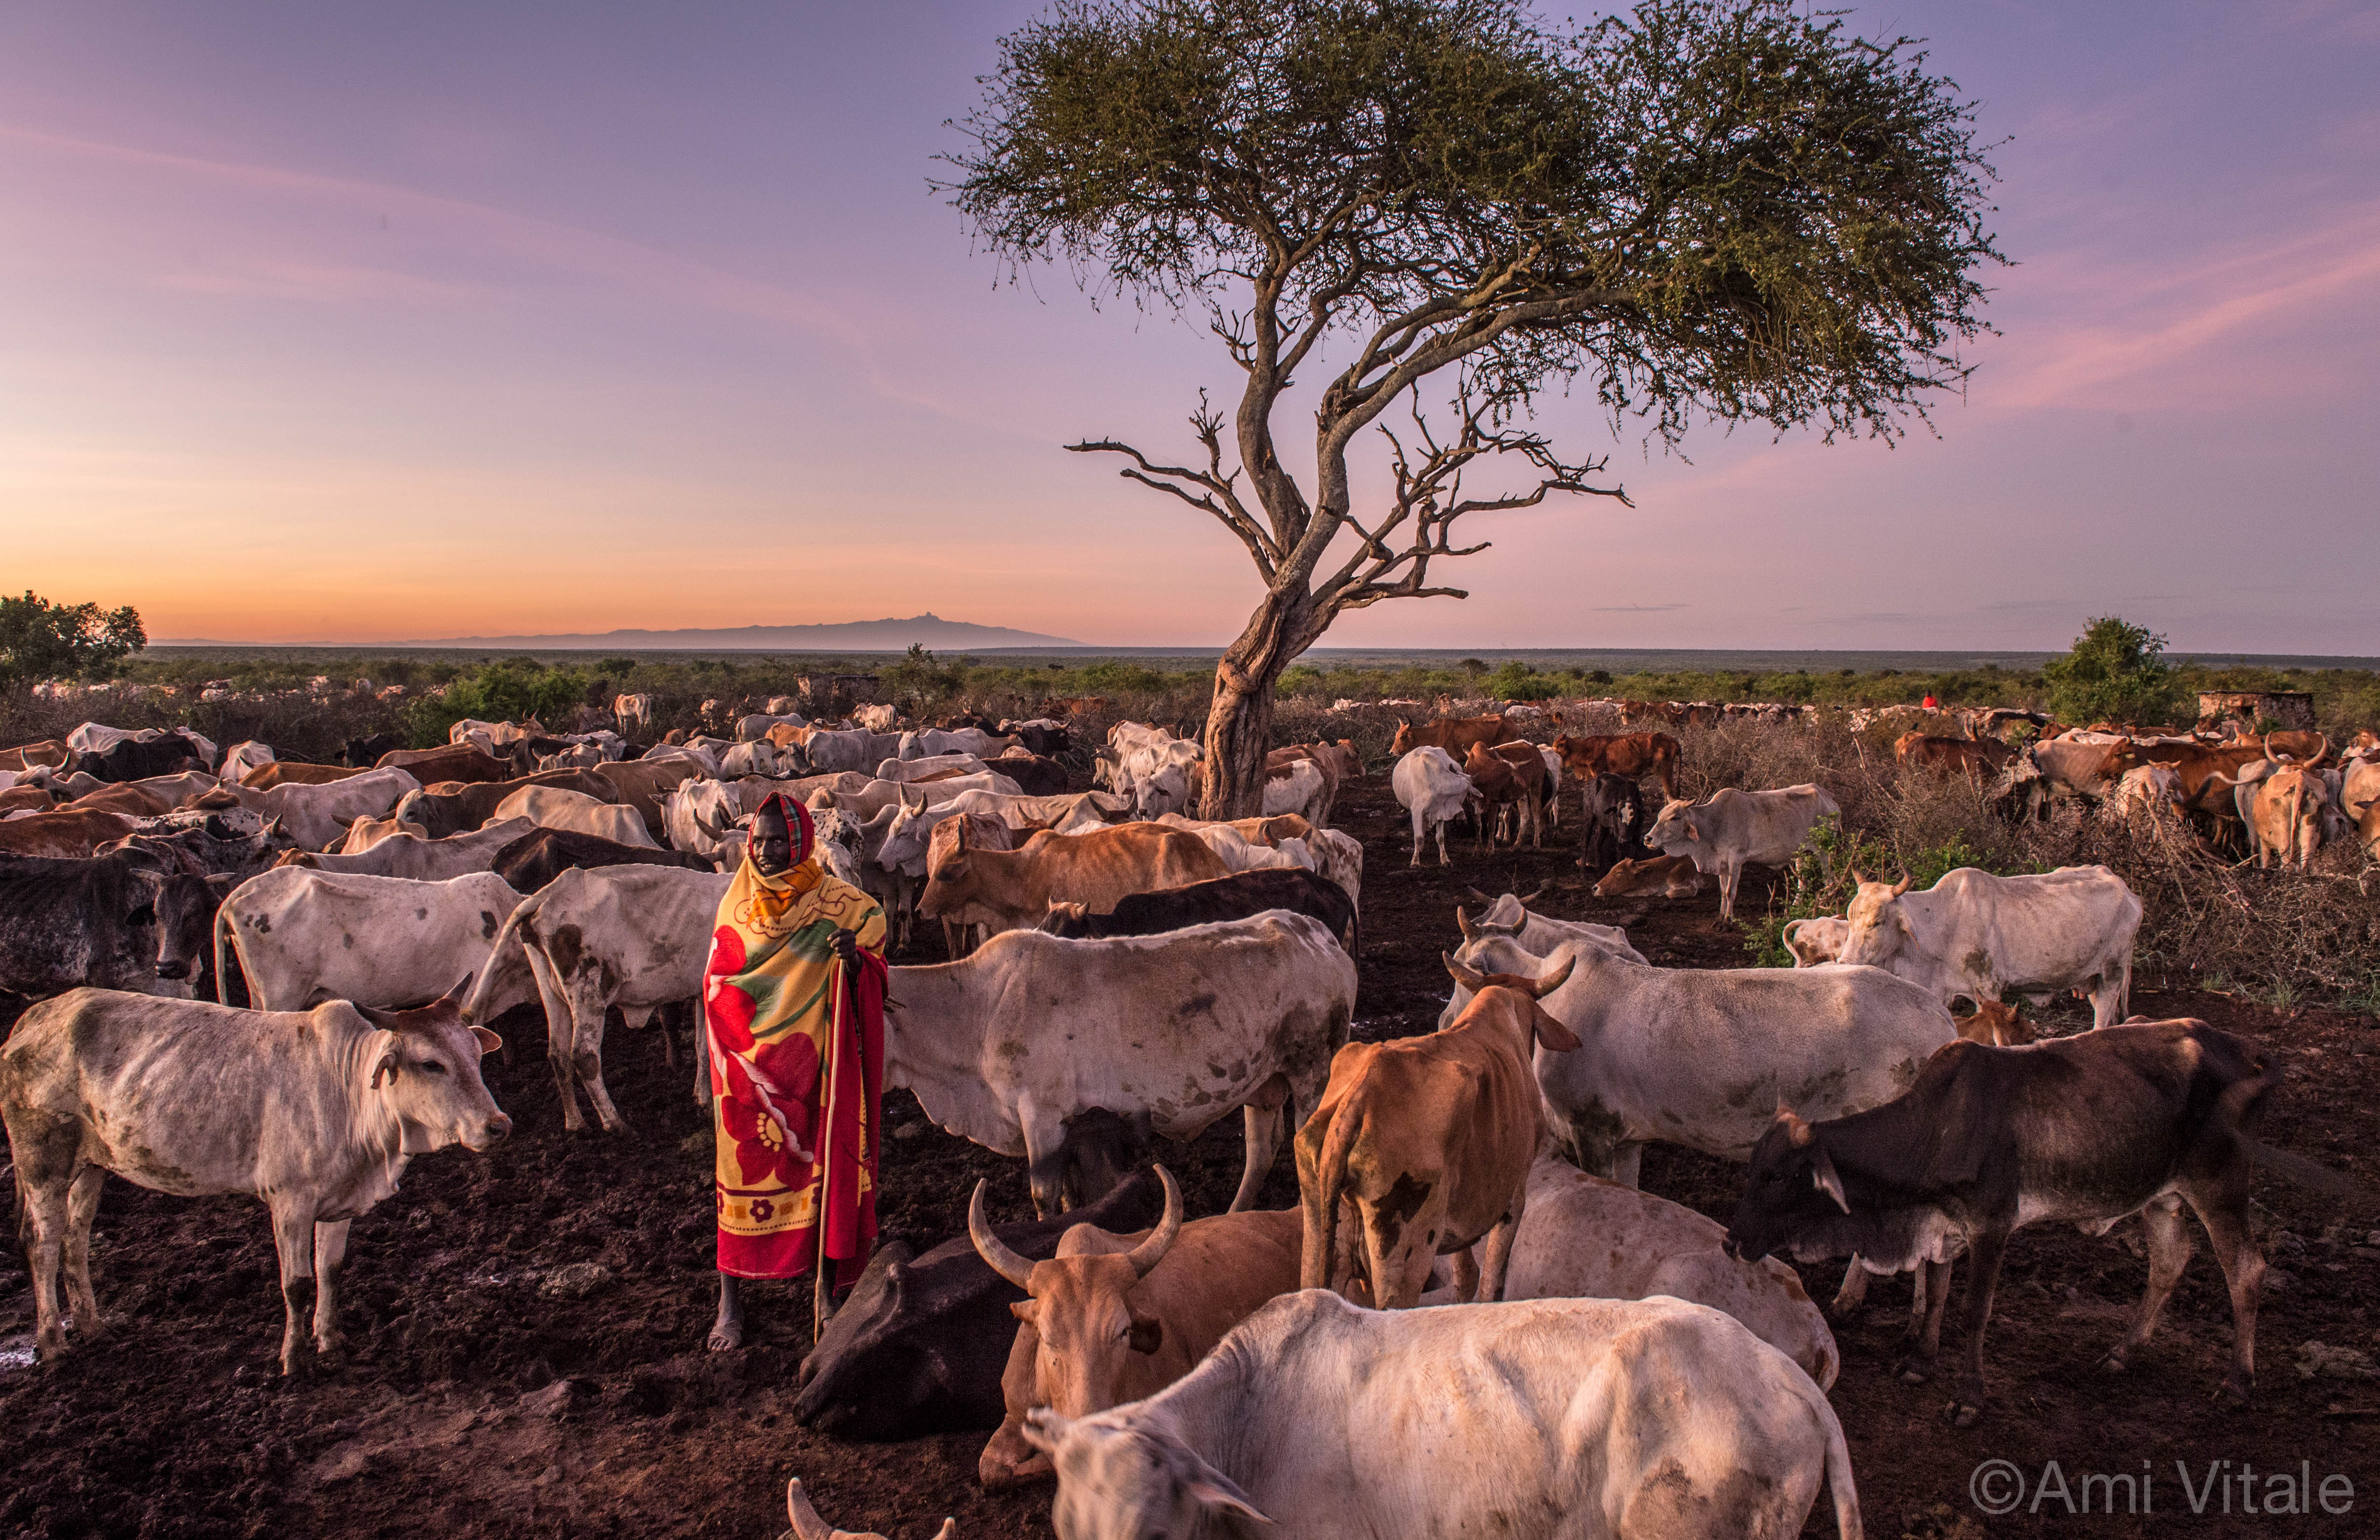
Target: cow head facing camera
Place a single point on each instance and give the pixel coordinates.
(427, 1073)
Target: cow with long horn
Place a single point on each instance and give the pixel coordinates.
(1113, 1318)
(808, 1525)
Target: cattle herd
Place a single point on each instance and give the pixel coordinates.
(1120, 970)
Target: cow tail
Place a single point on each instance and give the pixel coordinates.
(222, 922)
(1331, 1180)
(1840, 1483)
(508, 936)
(2231, 1112)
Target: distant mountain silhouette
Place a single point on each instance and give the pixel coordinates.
(857, 635)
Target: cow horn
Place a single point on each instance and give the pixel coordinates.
(1470, 978)
(1543, 888)
(1145, 1256)
(1478, 897)
(1462, 922)
(994, 1251)
(808, 1525)
(1901, 887)
(1548, 983)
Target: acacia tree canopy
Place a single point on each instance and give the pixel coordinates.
(40, 640)
(1703, 209)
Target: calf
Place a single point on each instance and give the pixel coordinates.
(1538, 1420)
(317, 1113)
(1946, 756)
(2088, 1130)
(1504, 780)
(1426, 1142)
(1612, 815)
(1656, 876)
(919, 1345)
(1221, 898)
(1113, 1318)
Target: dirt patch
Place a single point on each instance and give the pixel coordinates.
(528, 1324)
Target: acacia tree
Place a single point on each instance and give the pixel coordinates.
(40, 640)
(1713, 208)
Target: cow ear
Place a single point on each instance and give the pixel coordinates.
(1147, 1334)
(386, 1067)
(1024, 1310)
(489, 1041)
(1824, 1177)
(1553, 1034)
(1211, 1488)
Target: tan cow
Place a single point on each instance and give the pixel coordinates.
(1013, 889)
(1946, 756)
(364, 833)
(52, 752)
(1426, 1142)
(1113, 1318)
(1815, 940)
(1454, 734)
(1269, 833)
(1511, 775)
(1629, 754)
(1657, 876)
(2287, 818)
(147, 798)
(641, 783)
(292, 773)
(63, 834)
(983, 832)
(557, 807)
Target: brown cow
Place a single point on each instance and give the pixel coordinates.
(1995, 1025)
(1659, 875)
(983, 832)
(292, 773)
(52, 752)
(1454, 734)
(1013, 889)
(450, 762)
(67, 834)
(1628, 754)
(1428, 1141)
(1509, 781)
(1974, 756)
(641, 783)
(1113, 1318)
(28, 799)
(2287, 818)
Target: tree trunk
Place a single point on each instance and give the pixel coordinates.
(1239, 721)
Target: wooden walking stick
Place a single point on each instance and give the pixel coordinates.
(822, 1292)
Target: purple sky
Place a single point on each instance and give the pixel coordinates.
(347, 323)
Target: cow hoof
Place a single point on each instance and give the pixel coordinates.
(2114, 1362)
(1964, 1413)
(1914, 1371)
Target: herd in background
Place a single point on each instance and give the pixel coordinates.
(1169, 1370)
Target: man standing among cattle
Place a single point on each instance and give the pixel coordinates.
(794, 1009)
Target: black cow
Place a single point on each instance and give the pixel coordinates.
(119, 921)
(2135, 1119)
(364, 753)
(537, 857)
(1219, 898)
(919, 1345)
(1047, 742)
(1614, 822)
(139, 758)
(1034, 775)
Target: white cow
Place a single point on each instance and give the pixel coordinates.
(754, 727)
(1980, 936)
(1304, 788)
(1184, 1026)
(317, 817)
(757, 757)
(918, 770)
(558, 807)
(1529, 1420)
(1585, 1238)
(1814, 942)
(317, 1114)
(1733, 829)
(95, 737)
(2145, 789)
(877, 796)
(242, 757)
(853, 750)
(1701, 1057)
(636, 937)
(303, 937)
(1432, 787)
(928, 743)
(421, 860)
(1509, 916)
(1339, 856)
(635, 714)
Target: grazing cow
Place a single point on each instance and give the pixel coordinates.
(1734, 828)
(458, 762)
(131, 919)
(419, 859)
(317, 817)
(1185, 1027)
(1012, 890)
(1585, 1237)
(1629, 754)
(2087, 1130)
(1814, 942)
(919, 1345)
(361, 753)
(317, 1113)
(1695, 1056)
(1113, 1318)
(1980, 936)
(304, 937)
(1432, 787)
(1425, 1144)
(635, 715)
(1223, 898)
(1537, 1420)
(635, 936)
(553, 807)
(2285, 817)
(1972, 756)
(536, 858)
(1454, 734)
(1657, 876)
(449, 809)
(63, 834)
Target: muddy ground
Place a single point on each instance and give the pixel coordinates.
(490, 1393)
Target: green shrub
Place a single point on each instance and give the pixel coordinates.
(2116, 672)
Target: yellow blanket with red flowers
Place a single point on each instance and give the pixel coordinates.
(796, 1071)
